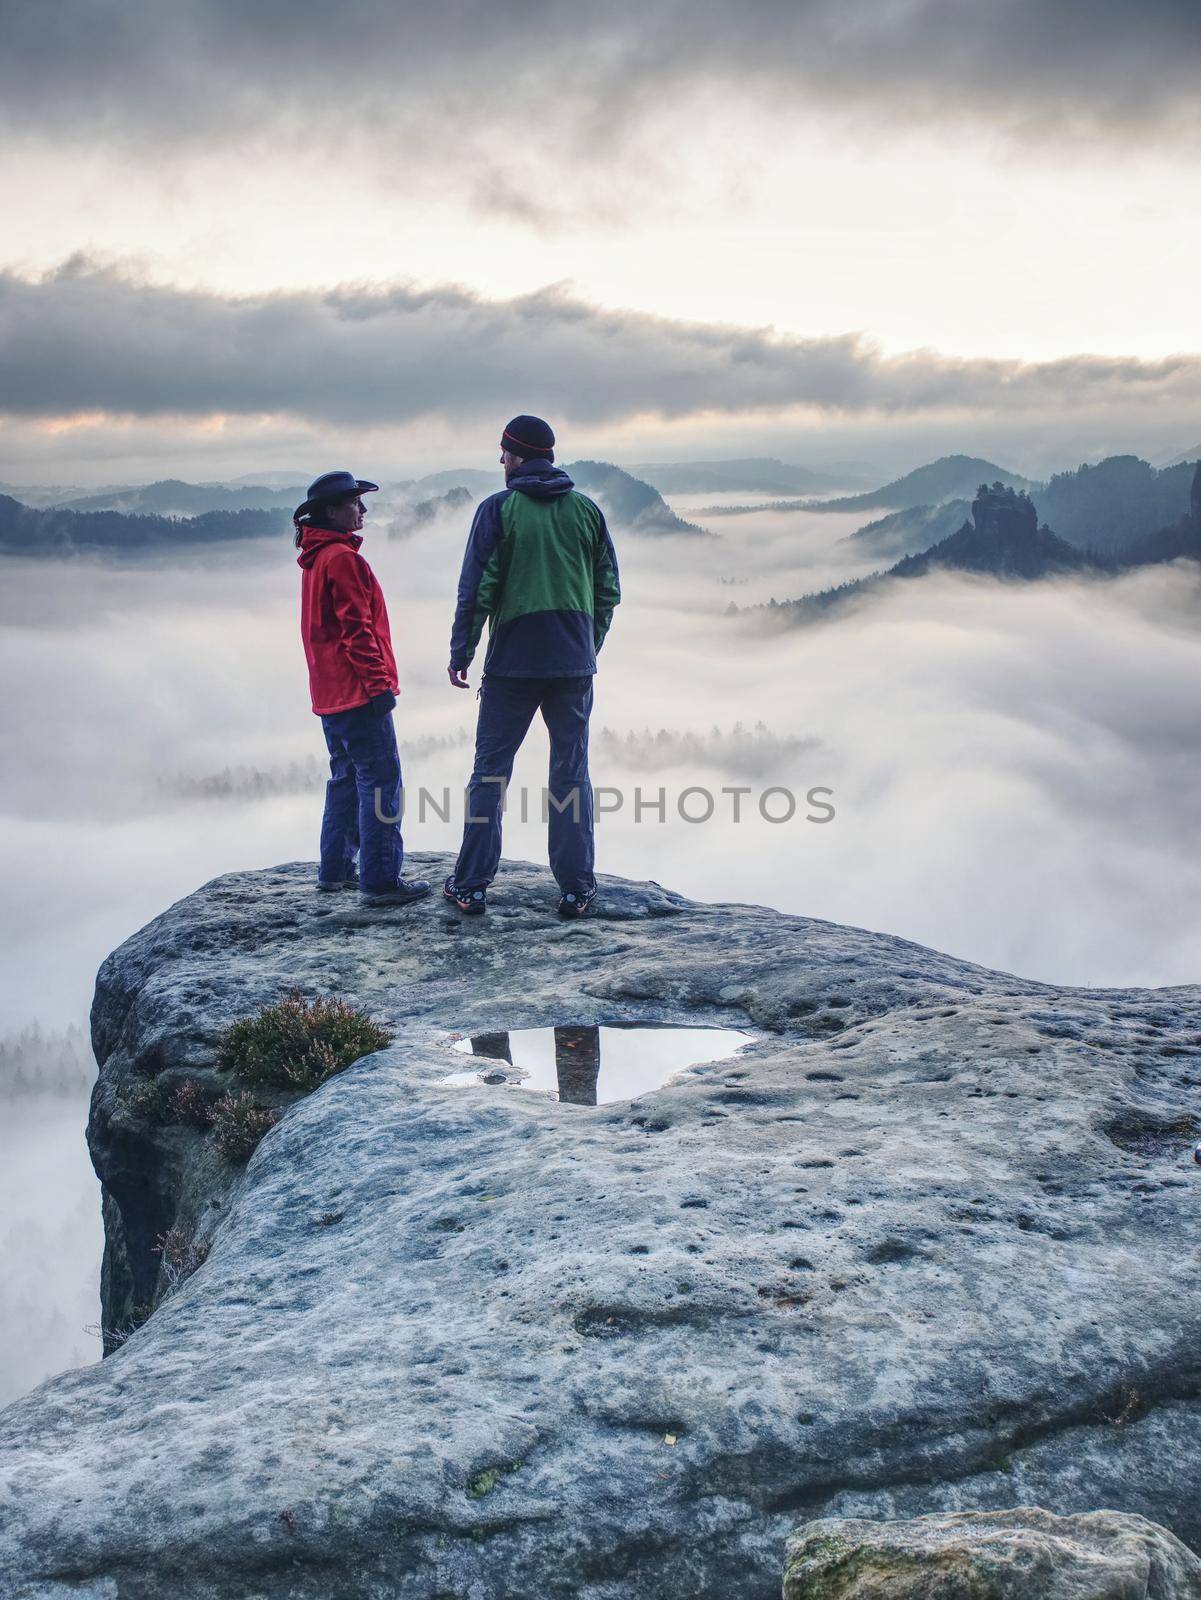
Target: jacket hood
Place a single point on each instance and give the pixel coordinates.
(314, 540)
(541, 480)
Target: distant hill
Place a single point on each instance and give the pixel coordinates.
(949, 478)
(1114, 503)
(1100, 507)
(30, 494)
(902, 533)
(1184, 458)
(1003, 538)
(626, 501)
(52, 531)
(1180, 538)
(412, 518)
(173, 498)
(272, 480)
(480, 483)
(752, 475)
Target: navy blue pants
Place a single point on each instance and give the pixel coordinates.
(364, 776)
(507, 707)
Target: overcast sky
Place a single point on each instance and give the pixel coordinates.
(244, 236)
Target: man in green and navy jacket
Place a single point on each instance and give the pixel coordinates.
(541, 570)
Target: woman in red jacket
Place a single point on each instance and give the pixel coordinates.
(352, 678)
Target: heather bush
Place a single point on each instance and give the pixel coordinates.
(180, 1255)
(238, 1125)
(190, 1105)
(113, 1338)
(298, 1044)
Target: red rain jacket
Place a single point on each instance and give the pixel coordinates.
(343, 623)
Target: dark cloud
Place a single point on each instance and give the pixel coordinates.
(92, 339)
(511, 84)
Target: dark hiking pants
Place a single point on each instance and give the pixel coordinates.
(364, 773)
(507, 707)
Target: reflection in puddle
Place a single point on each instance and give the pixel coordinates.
(588, 1066)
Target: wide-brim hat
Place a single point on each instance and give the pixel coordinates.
(334, 486)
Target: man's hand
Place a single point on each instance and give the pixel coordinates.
(380, 705)
(458, 677)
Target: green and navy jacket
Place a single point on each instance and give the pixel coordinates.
(541, 569)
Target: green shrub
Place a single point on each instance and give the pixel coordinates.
(141, 1097)
(238, 1125)
(298, 1044)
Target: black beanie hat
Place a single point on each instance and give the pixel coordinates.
(529, 438)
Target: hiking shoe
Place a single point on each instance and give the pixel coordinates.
(471, 902)
(331, 885)
(577, 905)
(404, 894)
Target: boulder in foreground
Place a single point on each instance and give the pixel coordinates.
(1024, 1554)
(928, 1245)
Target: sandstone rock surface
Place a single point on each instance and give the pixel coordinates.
(1024, 1554)
(929, 1245)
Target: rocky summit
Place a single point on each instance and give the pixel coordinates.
(928, 1245)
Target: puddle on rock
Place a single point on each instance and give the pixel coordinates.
(588, 1066)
